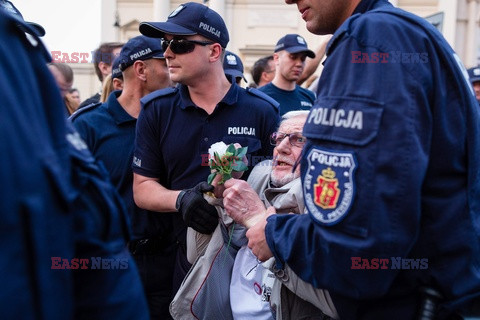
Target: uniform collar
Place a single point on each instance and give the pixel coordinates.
(116, 110)
(363, 7)
(367, 5)
(229, 99)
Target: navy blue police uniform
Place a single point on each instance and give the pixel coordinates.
(474, 77)
(174, 135)
(57, 204)
(299, 98)
(390, 171)
(290, 100)
(109, 132)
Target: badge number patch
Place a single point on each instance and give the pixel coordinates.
(329, 185)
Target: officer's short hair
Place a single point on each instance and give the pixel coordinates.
(259, 67)
(104, 53)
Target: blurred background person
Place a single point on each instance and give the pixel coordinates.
(233, 66)
(291, 51)
(263, 71)
(103, 58)
(63, 75)
(72, 100)
(474, 76)
(74, 95)
(113, 81)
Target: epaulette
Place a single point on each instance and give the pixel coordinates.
(264, 96)
(156, 94)
(89, 107)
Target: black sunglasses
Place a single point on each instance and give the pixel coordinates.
(295, 138)
(181, 46)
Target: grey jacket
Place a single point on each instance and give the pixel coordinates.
(291, 297)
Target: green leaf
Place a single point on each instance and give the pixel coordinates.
(241, 152)
(211, 163)
(211, 177)
(226, 177)
(217, 159)
(230, 149)
(239, 166)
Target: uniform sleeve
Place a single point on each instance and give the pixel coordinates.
(271, 125)
(147, 160)
(85, 131)
(362, 172)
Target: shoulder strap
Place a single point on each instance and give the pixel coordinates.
(87, 108)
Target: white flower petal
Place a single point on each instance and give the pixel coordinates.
(218, 147)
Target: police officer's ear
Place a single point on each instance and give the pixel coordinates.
(104, 68)
(139, 67)
(216, 52)
(276, 57)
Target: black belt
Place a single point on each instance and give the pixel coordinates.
(148, 246)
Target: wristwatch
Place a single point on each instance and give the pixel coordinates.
(179, 199)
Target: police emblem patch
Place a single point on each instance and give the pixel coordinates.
(176, 11)
(329, 185)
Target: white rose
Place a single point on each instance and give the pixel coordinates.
(219, 147)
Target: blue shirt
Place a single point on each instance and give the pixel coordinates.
(56, 202)
(390, 171)
(290, 100)
(174, 135)
(109, 132)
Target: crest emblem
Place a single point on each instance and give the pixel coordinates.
(326, 190)
(328, 184)
(176, 11)
(231, 60)
(300, 40)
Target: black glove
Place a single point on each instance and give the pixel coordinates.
(196, 211)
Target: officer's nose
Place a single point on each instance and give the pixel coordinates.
(168, 53)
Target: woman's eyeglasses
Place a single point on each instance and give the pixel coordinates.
(295, 138)
(181, 46)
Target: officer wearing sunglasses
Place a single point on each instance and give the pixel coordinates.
(177, 126)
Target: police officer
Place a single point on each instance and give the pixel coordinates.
(390, 170)
(474, 77)
(102, 59)
(109, 131)
(34, 27)
(233, 66)
(177, 126)
(57, 205)
(291, 51)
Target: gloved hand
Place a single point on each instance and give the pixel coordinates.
(195, 210)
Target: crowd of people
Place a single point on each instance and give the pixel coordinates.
(360, 199)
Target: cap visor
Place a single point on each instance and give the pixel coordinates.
(38, 28)
(474, 79)
(159, 29)
(309, 53)
(234, 73)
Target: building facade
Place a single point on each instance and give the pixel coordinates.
(256, 25)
